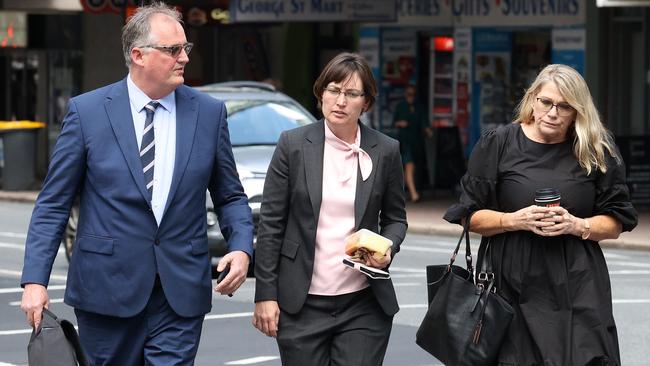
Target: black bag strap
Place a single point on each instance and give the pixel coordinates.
(468, 249)
(72, 336)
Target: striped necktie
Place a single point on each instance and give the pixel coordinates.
(148, 146)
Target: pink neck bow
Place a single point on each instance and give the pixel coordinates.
(353, 154)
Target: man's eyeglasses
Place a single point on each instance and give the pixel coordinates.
(173, 50)
(349, 94)
(563, 109)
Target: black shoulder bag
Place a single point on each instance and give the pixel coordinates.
(466, 321)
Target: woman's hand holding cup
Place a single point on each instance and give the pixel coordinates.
(528, 218)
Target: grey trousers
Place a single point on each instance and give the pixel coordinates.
(349, 329)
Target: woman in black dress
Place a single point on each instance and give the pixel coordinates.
(547, 260)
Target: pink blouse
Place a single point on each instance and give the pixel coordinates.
(336, 219)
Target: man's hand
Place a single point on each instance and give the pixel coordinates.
(34, 300)
(267, 317)
(238, 262)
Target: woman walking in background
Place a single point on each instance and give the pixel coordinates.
(410, 119)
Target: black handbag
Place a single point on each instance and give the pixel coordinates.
(466, 321)
(55, 343)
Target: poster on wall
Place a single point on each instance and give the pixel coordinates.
(491, 80)
(569, 48)
(462, 85)
(398, 69)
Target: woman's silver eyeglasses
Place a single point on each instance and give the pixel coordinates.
(563, 109)
(173, 50)
(349, 94)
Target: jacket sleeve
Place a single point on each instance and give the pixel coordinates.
(273, 221)
(392, 217)
(230, 201)
(52, 208)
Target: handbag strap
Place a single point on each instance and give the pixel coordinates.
(468, 248)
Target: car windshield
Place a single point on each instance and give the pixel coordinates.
(259, 122)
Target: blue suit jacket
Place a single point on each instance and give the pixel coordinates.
(120, 247)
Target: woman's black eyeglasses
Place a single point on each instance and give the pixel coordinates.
(563, 109)
(173, 50)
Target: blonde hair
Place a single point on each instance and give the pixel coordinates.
(590, 137)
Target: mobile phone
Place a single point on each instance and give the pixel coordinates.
(223, 275)
(371, 272)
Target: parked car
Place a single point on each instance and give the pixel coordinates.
(257, 115)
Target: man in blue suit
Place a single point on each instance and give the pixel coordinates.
(141, 154)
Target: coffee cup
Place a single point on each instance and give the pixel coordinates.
(547, 197)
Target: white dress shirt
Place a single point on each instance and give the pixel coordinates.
(164, 125)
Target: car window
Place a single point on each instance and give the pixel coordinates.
(261, 122)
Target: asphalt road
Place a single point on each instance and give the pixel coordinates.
(230, 339)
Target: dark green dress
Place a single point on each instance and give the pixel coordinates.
(410, 137)
(558, 286)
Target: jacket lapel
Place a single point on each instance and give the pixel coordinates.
(118, 109)
(313, 149)
(186, 121)
(364, 188)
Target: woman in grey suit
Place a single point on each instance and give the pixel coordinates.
(326, 181)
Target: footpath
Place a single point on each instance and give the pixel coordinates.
(425, 217)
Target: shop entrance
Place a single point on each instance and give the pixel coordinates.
(37, 86)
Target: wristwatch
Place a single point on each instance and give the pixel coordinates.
(586, 231)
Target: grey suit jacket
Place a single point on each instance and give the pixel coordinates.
(284, 256)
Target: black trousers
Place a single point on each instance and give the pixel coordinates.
(349, 329)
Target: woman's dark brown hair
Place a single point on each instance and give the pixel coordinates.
(340, 68)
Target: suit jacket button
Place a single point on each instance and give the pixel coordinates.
(157, 241)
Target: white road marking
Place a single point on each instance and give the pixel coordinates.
(12, 290)
(614, 255)
(629, 264)
(7, 364)
(12, 246)
(413, 248)
(52, 301)
(408, 284)
(22, 247)
(15, 332)
(413, 275)
(207, 317)
(630, 272)
(411, 270)
(631, 301)
(227, 316)
(18, 274)
(414, 306)
(250, 361)
(615, 301)
(9, 234)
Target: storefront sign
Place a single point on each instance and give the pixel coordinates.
(569, 48)
(469, 13)
(518, 12)
(424, 13)
(312, 10)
